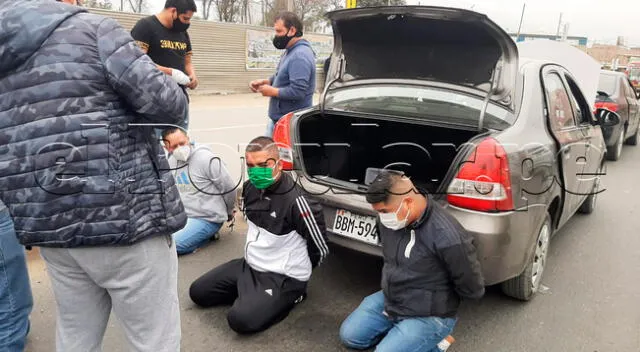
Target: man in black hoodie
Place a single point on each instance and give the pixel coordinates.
(429, 264)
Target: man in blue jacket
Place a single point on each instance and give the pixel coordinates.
(291, 87)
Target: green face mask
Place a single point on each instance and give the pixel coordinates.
(261, 177)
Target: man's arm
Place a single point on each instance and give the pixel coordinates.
(136, 78)
(462, 263)
(309, 222)
(188, 65)
(190, 71)
(223, 182)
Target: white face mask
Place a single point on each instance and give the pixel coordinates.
(390, 220)
(182, 153)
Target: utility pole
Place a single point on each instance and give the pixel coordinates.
(559, 25)
(521, 19)
(121, 5)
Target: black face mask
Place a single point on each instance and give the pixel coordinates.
(179, 26)
(281, 41)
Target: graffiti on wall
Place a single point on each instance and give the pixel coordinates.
(262, 55)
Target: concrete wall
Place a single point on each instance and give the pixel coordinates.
(219, 53)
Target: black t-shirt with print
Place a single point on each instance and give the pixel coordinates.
(164, 46)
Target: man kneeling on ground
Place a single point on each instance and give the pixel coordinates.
(285, 241)
(429, 263)
(206, 189)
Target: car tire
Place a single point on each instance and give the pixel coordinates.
(524, 286)
(633, 140)
(589, 204)
(614, 153)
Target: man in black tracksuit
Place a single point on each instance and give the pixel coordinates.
(286, 239)
(429, 264)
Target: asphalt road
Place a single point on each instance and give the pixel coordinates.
(591, 302)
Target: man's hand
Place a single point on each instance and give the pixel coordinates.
(180, 77)
(255, 85)
(268, 91)
(194, 82)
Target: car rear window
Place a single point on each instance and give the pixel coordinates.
(421, 103)
(608, 84)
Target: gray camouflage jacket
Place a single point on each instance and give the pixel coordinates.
(76, 167)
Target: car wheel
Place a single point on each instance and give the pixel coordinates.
(525, 286)
(633, 140)
(615, 152)
(589, 204)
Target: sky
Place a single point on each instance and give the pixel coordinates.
(600, 21)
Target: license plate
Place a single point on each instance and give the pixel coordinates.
(356, 226)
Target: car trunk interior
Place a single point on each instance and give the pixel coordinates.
(343, 147)
(417, 48)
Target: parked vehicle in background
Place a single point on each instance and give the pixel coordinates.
(633, 72)
(503, 143)
(616, 93)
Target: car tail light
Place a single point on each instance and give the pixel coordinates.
(282, 137)
(607, 105)
(483, 182)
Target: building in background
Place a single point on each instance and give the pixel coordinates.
(580, 42)
(614, 57)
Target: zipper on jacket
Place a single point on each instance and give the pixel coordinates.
(410, 245)
(246, 248)
(396, 268)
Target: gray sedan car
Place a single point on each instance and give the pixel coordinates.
(509, 146)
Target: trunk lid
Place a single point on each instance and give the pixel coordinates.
(423, 44)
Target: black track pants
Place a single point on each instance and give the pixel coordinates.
(259, 299)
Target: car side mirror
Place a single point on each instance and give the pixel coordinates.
(607, 118)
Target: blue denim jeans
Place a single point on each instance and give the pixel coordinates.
(194, 235)
(368, 326)
(16, 301)
(271, 125)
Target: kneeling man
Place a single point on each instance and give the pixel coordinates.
(429, 264)
(285, 241)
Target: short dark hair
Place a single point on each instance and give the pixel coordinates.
(262, 143)
(182, 5)
(170, 131)
(380, 189)
(290, 19)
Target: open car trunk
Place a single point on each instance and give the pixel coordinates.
(337, 147)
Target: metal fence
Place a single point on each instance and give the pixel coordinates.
(220, 53)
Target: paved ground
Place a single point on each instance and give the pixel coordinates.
(591, 303)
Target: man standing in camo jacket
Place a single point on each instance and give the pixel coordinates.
(82, 176)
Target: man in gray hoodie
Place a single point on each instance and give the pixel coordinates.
(206, 189)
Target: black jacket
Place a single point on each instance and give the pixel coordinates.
(429, 266)
(287, 233)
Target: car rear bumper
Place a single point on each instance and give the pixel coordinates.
(504, 241)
